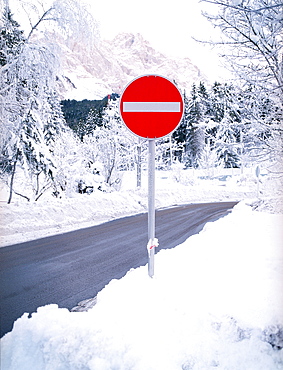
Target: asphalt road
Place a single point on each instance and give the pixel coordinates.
(68, 268)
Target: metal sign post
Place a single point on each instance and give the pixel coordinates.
(152, 107)
(257, 173)
(151, 206)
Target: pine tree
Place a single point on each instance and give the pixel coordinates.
(180, 135)
(225, 134)
(54, 119)
(34, 147)
(205, 100)
(11, 38)
(94, 119)
(190, 135)
(11, 42)
(217, 102)
(195, 129)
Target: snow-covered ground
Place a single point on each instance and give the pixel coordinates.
(22, 221)
(215, 301)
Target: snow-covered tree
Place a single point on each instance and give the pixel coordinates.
(261, 126)
(93, 120)
(209, 160)
(189, 136)
(166, 152)
(224, 134)
(27, 87)
(30, 111)
(115, 145)
(252, 41)
(69, 18)
(11, 41)
(179, 136)
(253, 47)
(11, 38)
(195, 126)
(226, 141)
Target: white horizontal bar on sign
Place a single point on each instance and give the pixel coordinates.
(151, 107)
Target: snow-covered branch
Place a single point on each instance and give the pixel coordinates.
(252, 41)
(239, 4)
(41, 19)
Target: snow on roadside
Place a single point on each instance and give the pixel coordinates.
(22, 221)
(215, 302)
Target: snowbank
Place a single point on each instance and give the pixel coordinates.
(215, 302)
(22, 221)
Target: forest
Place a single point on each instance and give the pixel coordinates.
(45, 140)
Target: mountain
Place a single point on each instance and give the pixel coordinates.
(110, 65)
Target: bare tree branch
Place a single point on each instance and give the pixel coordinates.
(42, 18)
(242, 7)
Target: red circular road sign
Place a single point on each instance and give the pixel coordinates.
(151, 106)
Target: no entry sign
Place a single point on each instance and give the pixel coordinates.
(151, 106)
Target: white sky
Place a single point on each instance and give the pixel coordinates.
(168, 24)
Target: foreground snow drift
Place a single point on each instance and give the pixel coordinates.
(215, 302)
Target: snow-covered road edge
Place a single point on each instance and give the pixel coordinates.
(23, 221)
(223, 309)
